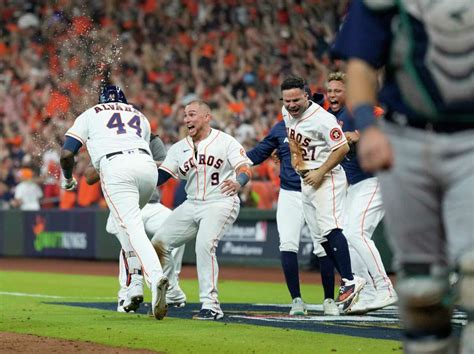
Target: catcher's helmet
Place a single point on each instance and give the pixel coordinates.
(112, 93)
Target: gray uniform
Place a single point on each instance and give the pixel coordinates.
(428, 193)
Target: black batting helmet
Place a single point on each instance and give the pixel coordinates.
(112, 93)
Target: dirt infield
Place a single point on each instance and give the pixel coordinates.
(27, 343)
(69, 266)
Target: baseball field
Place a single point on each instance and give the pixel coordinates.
(44, 310)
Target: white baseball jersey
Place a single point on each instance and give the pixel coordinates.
(111, 127)
(128, 179)
(205, 167)
(316, 132)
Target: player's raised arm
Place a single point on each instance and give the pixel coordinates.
(264, 149)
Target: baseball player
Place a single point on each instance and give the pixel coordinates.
(317, 146)
(290, 220)
(130, 295)
(424, 148)
(117, 136)
(363, 210)
(215, 168)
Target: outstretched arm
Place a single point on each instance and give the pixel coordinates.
(264, 148)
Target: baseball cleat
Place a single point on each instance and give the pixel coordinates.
(134, 296)
(298, 307)
(158, 303)
(120, 307)
(357, 306)
(208, 315)
(330, 308)
(349, 289)
(175, 297)
(383, 299)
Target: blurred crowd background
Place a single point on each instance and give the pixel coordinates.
(55, 55)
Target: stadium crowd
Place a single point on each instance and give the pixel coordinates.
(55, 55)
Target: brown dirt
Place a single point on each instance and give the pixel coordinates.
(70, 266)
(26, 343)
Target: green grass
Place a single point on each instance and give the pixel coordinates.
(31, 315)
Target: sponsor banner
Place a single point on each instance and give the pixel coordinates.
(257, 240)
(60, 234)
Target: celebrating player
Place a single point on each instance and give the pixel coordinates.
(290, 220)
(117, 137)
(215, 168)
(130, 295)
(317, 146)
(363, 211)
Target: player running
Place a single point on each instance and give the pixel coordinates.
(117, 136)
(130, 294)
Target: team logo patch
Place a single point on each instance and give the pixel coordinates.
(242, 152)
(335, 134)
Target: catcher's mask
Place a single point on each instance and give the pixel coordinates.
(112, 93)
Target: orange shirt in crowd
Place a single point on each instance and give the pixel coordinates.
(88, 194)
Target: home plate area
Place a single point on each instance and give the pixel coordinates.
(381, 324)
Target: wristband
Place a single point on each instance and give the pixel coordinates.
(364, 116)
(243, 178)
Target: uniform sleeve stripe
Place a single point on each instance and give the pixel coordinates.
(339, 145)
(242, 163)
(72, 135)
(175, 176)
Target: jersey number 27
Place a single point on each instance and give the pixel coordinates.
(115, 122)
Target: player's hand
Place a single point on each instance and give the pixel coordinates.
(69, 184)
(374, 150)
(352, 137)
(230, 187)
(314, 178)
